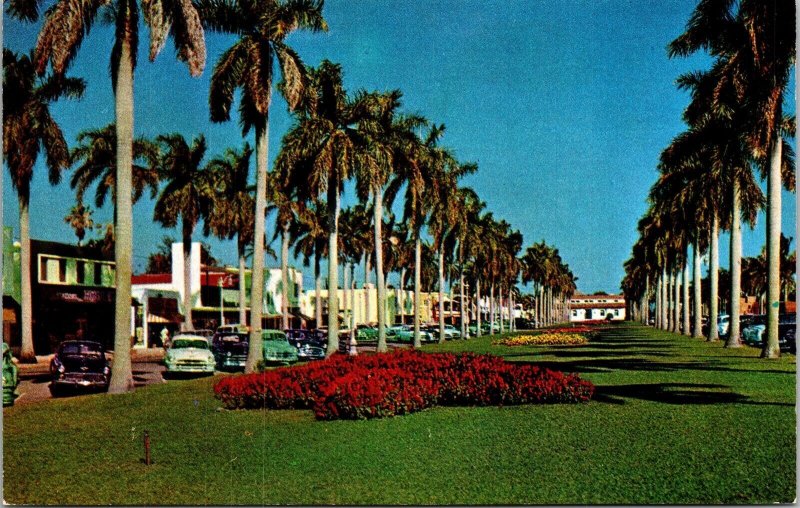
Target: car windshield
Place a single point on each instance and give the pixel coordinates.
(234, 338)
(187, 343)
(788, 319)
(81, 348)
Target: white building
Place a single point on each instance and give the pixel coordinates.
(596, 308)
(214, 296)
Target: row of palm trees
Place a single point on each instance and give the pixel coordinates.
(707, 181)
(336, 139)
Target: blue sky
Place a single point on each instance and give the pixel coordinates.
(564, 105)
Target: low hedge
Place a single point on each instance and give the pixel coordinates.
(401, 382)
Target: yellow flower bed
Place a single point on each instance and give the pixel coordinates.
(545, 339)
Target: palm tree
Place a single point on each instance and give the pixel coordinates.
(753, 43)
(186, 196)
(322, 150)
(65, 26)
(312, 241)
(80, 219)
(286, 206)
(387, 134)
(96, 160)
(231, 213)
(248, 66)
(28, 130)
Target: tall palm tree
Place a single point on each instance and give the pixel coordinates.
(28, 130)
(388, 134)
(754, 43)
(286, 207)
(312, 241)
(66, 24)
(232, 211)
(248, 65)
(186, 196)
(322, 150)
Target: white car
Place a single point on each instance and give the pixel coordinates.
(189, 353)
(723, 322)
(753, 334)
(451, 332)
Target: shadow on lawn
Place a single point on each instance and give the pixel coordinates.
(674, 393)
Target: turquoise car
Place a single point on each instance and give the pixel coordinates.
(406, 334)
(276, 348)
(189, 353)
(10, 378)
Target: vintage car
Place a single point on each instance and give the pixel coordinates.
(233, 328)
(189, 353)
(308, 346)
(406, 334)
(276, 348)
(451, 332)
(753, 334)
(10, 379)
(230, 349)
(79, 364)
(366, 333)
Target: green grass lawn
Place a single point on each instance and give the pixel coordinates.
(674, 420)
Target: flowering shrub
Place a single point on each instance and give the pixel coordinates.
(379, 385)
(545, 339)
(572, 329)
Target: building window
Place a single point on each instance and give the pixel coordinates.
(98, 277)
(52, 270)
(574, 313)
(80, 272)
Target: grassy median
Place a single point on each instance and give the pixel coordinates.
(674, 420)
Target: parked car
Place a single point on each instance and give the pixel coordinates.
(406, 334)
(366, 333)
(787, 325)
(10, 377)
(189, 353)
(451, 332)
(79, 364)
(233, 328)
(276, 348)
(753, 333)
(230, 349)
(723, 323)
(308, 345)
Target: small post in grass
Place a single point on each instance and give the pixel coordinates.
(146, 448)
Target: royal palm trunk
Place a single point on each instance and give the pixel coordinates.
(676, 311)
(121, 374)
(697, 329)
(379, 277)
(417, 296)
(27, 354)
(713, 275)
(317, 289)
(478, 307)
(771, 349)
(491, 309)
(686, 328)
(664, 299)
(402, 300)
(659, 303)
(285, 276)
(242, 285)
(187, 277)
(367, 268)
(333, 267)
(441, 295)
(736, 267)
(255, 353)
(462, 313)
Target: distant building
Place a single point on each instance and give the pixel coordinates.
(596, 308)
(214, 297)
(72, 293)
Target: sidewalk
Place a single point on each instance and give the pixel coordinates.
(42, 365)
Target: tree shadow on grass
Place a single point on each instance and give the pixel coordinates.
(675, 393)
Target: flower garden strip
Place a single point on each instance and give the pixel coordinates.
(388, 384)
(545, 339)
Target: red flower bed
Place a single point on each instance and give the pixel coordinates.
(374, 386)
(572, 329)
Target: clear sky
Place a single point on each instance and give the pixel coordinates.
(564, 105)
